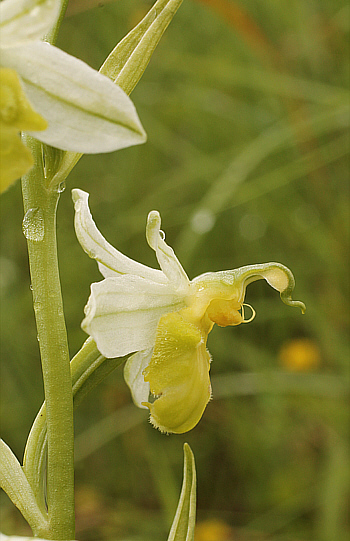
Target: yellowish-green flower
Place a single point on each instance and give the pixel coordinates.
(16, 115)
(84, 110)
(164, 319)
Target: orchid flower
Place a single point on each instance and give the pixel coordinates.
(164, 319)
(84, 111)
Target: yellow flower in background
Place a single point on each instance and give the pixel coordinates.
(300, 355)
(16, 115)
(213, 530)
(164, 319)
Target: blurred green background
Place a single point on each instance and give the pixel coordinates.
(247, 111)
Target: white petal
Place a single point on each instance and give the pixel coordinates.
(167, 260)
(85, 110)
(111, 262)
(122, 313)
(26, 20)
(133, 376)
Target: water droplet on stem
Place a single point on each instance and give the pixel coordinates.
(33, 225)
(61, 187)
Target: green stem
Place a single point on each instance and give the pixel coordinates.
(39, 226)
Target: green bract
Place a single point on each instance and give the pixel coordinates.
(164, 318)
(85, 111)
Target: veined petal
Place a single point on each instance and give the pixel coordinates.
(111, 262)
(122, 313)
(133, 375)
(26, 20)
(85, 110)
(167, 260)
(178, 375)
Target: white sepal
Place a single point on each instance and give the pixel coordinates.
(133, 375)
(26, 20)
(167, 260)
(85, 110)
(111, 262)
(122, 313)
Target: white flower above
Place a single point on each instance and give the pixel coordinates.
(85, 111)
(164, 319)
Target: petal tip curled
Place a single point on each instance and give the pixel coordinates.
(79, 195)
(153, 228)
(281, 278)
(287, 299)
(166, 257)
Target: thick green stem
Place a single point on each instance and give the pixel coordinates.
(39, 227)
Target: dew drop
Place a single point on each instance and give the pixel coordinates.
(33, 225)
(61, 187)
(31, 287)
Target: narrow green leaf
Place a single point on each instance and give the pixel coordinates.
(128, 60)
(14, 482)
(183, 525)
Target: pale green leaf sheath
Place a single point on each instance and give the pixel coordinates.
(164, 318)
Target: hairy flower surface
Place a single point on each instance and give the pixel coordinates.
(164, 319)
(85, 111)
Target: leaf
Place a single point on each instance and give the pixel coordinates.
(85, 111)
(183, 525)
(14, 482)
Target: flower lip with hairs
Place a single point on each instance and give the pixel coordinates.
(163, 319)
